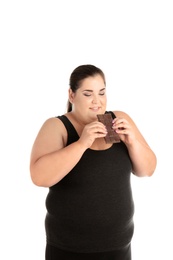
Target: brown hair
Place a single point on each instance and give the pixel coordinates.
(79, 74)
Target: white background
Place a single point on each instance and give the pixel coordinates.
(41, 42)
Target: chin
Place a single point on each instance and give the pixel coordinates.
(94, 117)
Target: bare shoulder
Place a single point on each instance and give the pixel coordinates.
(52, 124)
(51, 137)
(53, 130)
(122, 114)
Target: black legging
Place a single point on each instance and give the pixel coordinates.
(54, 253)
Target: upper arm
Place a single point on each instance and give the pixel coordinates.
(50, 138)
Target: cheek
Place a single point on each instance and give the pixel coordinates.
(104, 100)
(83, 102)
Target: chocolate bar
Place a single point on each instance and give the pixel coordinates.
(112, 136)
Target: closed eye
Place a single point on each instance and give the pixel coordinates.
(102, 92)
(87, 94)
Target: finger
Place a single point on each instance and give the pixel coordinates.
(121, 125)
(122, 131)
(99, 128)
(119, 121)
(100, 135)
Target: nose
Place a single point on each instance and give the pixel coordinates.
(95, 99)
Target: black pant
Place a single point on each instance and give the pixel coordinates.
(54, 253)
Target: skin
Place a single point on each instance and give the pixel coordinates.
(49, 151)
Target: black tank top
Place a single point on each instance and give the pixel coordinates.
(91, 209)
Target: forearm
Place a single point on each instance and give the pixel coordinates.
(143, 159)
(51, 168)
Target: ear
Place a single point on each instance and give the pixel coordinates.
(70, 95)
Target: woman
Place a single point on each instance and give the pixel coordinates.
(89, 204)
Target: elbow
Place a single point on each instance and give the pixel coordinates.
(36, 181)
(150, 173)
(152, 165)
(143, 173)
(146, 170)
(36, 178)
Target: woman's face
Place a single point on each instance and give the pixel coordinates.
(90, 99)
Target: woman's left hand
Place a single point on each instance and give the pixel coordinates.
(124, 129)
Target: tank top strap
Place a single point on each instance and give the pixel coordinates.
(110, 112)
(71, 131)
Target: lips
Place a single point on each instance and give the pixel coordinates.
(95, 108)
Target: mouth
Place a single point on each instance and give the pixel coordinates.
(95, 109)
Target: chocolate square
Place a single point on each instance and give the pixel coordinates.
(112, 136)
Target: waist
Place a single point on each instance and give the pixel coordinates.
(91, 225)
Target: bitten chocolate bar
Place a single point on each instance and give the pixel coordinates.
(112, 136)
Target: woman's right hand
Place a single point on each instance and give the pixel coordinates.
(92, 131)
